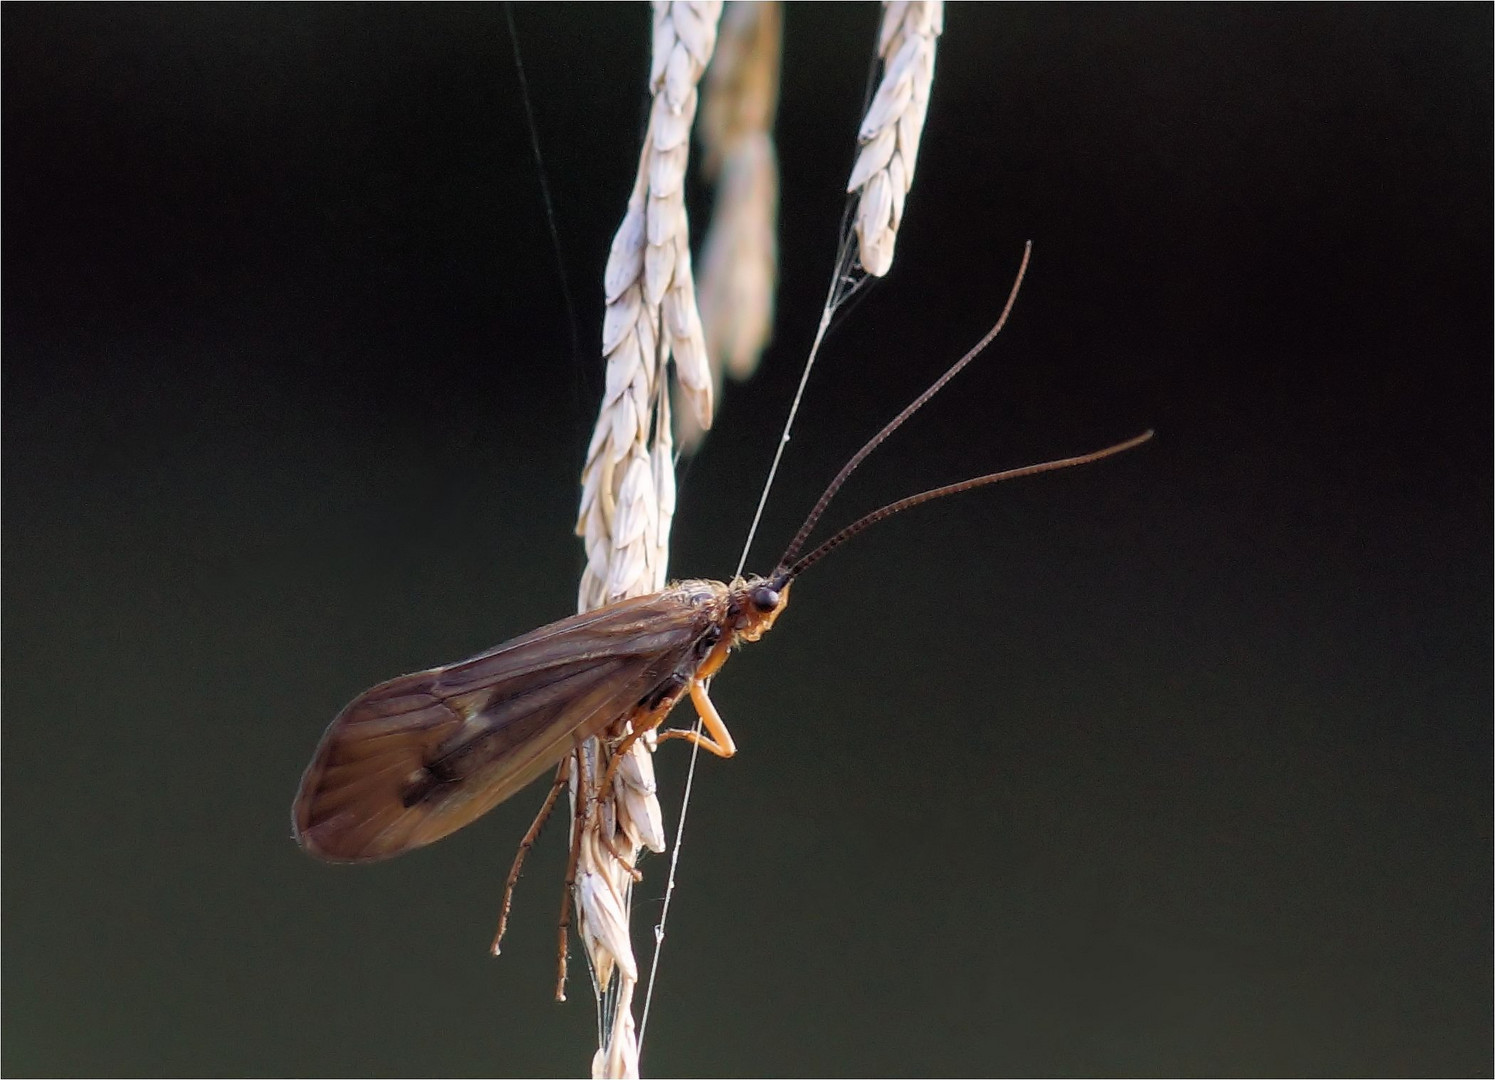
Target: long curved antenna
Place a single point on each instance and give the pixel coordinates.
(897, 421)
(793, 570)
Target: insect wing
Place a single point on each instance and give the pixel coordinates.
(416, 758)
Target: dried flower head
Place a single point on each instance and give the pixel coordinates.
(894, 123)
(739, 257)
(628, 488)
(653, 317)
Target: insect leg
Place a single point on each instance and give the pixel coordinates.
(717, 738)
(583, 814)
(612, 850)
(640, 722)
(616, 758)
(562, 774)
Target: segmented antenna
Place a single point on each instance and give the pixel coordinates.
(872, 444)
(788, 573)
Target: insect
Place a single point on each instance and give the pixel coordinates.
(412, 760)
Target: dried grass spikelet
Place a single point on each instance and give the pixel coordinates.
(890, 132)
(628, 486)
(739, 257)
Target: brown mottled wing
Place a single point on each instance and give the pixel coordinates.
(418, 757)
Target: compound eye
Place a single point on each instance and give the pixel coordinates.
(764, 598)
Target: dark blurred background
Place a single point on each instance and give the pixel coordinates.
(1178, 764)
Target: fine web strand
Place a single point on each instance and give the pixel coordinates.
(578, 367)
(534, 142)
(669, 888)
(844, 284)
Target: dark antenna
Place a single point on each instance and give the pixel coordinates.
(897, 421)
(793, 570)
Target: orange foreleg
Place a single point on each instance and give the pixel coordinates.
(717, 739)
